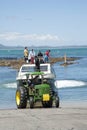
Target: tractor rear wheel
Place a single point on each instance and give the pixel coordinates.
(21, 97)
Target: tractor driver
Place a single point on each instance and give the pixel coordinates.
(33, 81)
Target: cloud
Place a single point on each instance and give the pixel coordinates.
(12, 36)
(9, 36)
(42, 37)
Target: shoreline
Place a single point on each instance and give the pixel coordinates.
(16, 63)
(63, 104)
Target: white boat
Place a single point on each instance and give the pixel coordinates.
(47, 69)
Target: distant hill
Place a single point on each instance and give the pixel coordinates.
(39, 47)
(1, 46)
(18, 47)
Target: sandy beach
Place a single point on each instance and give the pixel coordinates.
(67, 117)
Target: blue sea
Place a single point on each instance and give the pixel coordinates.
(71, 80)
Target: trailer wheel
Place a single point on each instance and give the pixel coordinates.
(21, 97)
(31, 102)
(47, 104)
(50, 103)
(57, 102)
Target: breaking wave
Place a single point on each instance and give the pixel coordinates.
(10, 85)
(69, 83)
(58, 83)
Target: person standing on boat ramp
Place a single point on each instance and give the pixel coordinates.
(31, 56)
(26, 54)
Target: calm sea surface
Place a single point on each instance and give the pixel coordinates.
(71, 81)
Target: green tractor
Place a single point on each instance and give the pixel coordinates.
(34, 89)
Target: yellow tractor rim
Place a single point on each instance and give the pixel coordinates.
(18, 97)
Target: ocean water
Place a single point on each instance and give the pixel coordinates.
(71, 80)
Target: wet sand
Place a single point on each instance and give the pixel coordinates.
(67, 117)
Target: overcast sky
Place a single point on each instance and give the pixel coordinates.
(43, 22)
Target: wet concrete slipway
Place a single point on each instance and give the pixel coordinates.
(63, 118)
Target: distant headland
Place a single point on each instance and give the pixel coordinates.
(42, 47)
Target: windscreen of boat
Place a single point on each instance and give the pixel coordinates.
(28, 69)
(33, 68)
(44, 68)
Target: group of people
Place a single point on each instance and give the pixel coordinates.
(30, 57)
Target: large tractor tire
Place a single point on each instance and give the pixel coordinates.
(21, 97)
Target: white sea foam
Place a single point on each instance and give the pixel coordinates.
(10, 85)
(69, 83)
(58, 83)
